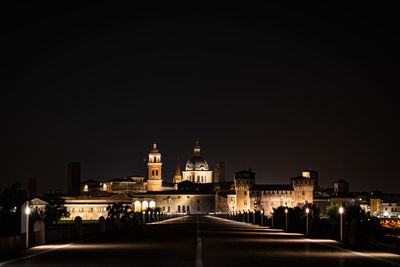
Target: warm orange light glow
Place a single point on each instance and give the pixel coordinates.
(341, 210)
(307, 210)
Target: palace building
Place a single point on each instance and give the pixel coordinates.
(193, 191)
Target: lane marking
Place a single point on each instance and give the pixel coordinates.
(169, 220)
(198, 258)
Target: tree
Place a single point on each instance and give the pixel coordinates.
(118, 210)
(332, 211)
(55, 210)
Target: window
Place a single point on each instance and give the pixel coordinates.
(245, 193)
(188, 209)
(169, 209)
(179, 208)
(198, 208)
(156, 172)
(183, 208)
(152, 172)
(155, 159)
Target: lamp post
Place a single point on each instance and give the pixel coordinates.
(286, 212)
(27, 212)
(341, 210)
(272, 221)
(262, 217)
(307, 212)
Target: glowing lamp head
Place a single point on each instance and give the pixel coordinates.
(307, 210)
(341, 210)
(27, 210)
(262, 211)
(272, 211)
(286, 210)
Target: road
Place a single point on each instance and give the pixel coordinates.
(201, 241)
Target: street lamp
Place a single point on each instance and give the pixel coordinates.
(307, 212)
(286, 212)
(272, 221)
(27, 212)
(341, 210)
(262, 217)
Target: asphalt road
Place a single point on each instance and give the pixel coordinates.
(200, 241)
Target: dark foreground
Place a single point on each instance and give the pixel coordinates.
(200, 241)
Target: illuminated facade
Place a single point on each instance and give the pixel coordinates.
(192, 191)
(250, 196)
(196, 169)
(154, 165)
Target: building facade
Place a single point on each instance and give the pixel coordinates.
(192, 191)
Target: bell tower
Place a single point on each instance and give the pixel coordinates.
(178, 174)
(154, 166)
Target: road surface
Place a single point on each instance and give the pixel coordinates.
(200, 241)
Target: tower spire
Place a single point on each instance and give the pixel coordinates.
(178, 175)
(197, 148)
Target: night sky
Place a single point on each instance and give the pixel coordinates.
(277, 89)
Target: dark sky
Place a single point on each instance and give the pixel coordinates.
(274, 88)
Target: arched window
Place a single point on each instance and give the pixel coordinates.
(155, 159)
(152, 204)
(156, 172)
(145, 205)
(138, 206)
(152, 172)
(245, 193)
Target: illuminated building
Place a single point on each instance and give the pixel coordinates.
(154, 166)
(192, 191)
(196, 169)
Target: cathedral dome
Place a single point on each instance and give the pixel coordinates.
(197, 163)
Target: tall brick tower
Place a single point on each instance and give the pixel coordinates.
(74, 179)
(244, 180)
(303, 190)
(178, 174)
(154, 166)
(219, 172)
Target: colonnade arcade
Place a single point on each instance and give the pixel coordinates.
(144, 205)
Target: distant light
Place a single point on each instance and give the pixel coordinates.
(385, 214)
(286, 210)
(341, 210)
(27, 210)
(272, 211)
(307, 210)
